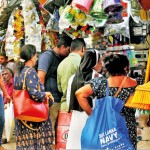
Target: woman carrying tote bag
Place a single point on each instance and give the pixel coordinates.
(31, 135)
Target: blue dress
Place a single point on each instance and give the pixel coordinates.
(25, 137)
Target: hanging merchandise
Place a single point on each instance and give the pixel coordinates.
(143, 15)
(125, 5)
(50, 40)
(132, 59)
(10, 38)
(18, 31)
(115, 18)
(53, 22)
(120, 28)
(42, 1)
(112, 6)
(83, 5)
(141, 97)
(145, 4)
(147, 75)
(72, 17)
(31, 24)
(134, 10)
(97, 10)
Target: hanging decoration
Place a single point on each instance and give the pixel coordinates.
(83, 5)
(18, 30)
(10, 38)
(112, 6)
(71, 17)
(97, 10)
(31, 24)
(42, 1)
(145, 4)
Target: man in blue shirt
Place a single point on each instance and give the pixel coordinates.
(47, 72)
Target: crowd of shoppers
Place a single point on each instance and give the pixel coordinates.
(117, 66)
(71, 75)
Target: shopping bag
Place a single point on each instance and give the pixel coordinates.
(9, 121)
(78, 121)
(106, 128)
(62, 129)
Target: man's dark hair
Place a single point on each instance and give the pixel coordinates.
(77, 44)
(3, 54)
(64, 40)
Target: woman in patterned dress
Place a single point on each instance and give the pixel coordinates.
(117, 66)
(28, 139)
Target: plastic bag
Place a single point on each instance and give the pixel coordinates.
(63, 125)
(106, 128)
(9, 121)
(78, 121)
(120, 28)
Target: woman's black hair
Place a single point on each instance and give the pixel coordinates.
(83, 74)
(27, 52)
(116, 63)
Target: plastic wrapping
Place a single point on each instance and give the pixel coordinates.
(97, 10)
(83, 5)
(31, 24)
(120, 28)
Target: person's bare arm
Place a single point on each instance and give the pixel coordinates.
(82, 94)
(41, 75)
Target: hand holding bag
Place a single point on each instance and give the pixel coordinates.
(106, 128)
(27, 109)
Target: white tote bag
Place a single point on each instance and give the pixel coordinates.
(78, 121)
(9, 121)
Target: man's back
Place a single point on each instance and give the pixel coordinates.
(65, 70)
(48, 62)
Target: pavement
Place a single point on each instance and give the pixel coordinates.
(11, 145)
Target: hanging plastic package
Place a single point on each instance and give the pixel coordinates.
(97, 10)
(83, 5)
(147, 75)
(120, 28)
(134, 10)
(145, 4)
(115, 18)
(42, 1)
(112, 6)
(53, 22)
(132, 59)
(106, 128)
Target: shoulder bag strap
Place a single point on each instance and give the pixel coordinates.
(123, 81)
(24, 80)
(24, 88)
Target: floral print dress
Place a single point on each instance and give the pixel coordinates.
(99, 87)
(27, 139)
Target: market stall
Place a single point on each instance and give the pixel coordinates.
(110, 26)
